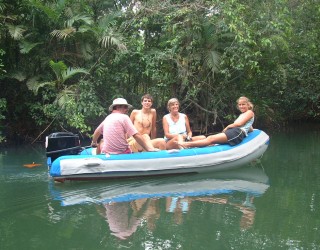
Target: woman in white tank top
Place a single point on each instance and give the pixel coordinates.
(176, 126)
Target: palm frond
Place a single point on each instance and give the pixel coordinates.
(16, 31)
(34, 85)
(84, 29)
(63, 34)
(212, 60)
(107, 35)
(108, 41)
(73, 71)
(58, 68)
(64, 96)
(79, 18)
(26, 46)
(18, 75)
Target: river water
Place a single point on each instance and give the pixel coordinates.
(273, 203)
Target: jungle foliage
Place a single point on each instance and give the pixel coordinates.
(63, 61)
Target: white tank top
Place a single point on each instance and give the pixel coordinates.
(178, 127)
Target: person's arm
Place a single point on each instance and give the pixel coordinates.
(97, 133)
(147, 145)
(189, 132)
(165, 126)
(241, 120)
(153, 134)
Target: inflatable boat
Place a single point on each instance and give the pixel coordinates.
(66, 161)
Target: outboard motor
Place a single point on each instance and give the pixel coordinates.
(62, 143)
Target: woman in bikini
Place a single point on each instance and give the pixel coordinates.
(176, 126)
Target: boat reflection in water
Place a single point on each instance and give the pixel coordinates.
(124, 203)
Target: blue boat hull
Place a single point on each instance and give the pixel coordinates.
(193, 160)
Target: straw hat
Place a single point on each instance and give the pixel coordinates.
(119, 101)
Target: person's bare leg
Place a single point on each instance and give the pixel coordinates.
(198, 137)
(99, 147)
(180, 140)
(159, 143)
(212, 139)
(148, 141)
(136, 147)
(175, 143)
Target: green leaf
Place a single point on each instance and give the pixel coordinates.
(73, 71)
(58, 68)
(34, 85)
(16, 31)
(26, 46)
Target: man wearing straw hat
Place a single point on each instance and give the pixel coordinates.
(116, 128)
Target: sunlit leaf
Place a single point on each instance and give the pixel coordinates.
(16, 31)
(63, 34)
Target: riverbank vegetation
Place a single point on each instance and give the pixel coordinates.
(62, 62)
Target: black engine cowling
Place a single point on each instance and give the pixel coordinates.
(62, 143)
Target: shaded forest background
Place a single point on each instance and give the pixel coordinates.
(62, 62)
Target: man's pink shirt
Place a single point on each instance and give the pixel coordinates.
(116, 128)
